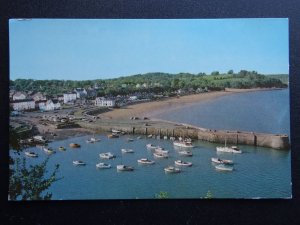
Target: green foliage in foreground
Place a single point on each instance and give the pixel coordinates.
(162, 195)
(30, 183)
(156, 83)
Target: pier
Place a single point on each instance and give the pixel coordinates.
(167, 128)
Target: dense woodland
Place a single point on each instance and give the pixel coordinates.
(157, 83)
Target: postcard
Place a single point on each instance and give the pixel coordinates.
(149, 109)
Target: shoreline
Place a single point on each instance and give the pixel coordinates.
(153, 108)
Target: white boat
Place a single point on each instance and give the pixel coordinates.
(115, 131)
(62, 148)
(151, 146)
(183, 144)
(139, 137)
(103, 166)
(232, 149)
(145, 161)
(39, 138)
(172, 169)
(48, 150)
(129, 139)
(92, 140)
(185, 153)
(150, 135)
(172, 138)
(124, 168)
(78, 163)
(107, 155)
(165, 137)
(222, 167)
(222, 161)
(182, 163)
(161, 150)
(160, 155)
(123, 150)
(31, 154)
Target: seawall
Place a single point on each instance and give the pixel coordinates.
(167, 128)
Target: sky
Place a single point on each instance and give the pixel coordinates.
(88, 49)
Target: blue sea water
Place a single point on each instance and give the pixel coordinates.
(258, 172)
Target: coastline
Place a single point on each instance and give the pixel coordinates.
(153, 108)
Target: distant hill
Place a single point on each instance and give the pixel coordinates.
(157, 83)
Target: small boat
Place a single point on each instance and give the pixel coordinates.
(145, 161)
(182, 163)
(79, 163)
(123, 150)
(93, 139)
(124, 168)
(30, 140)
(172, 138)
(139, 137)
(113, 135)
(232, 149)
(185, 153)
(48, 150)
(151, 146)
(183, 144)
(129, 139)
(103, 166)
(172, 169)
(115, 131)
(107, 155)
(222, 161)
(62, 148)
(222, 167)
(31, 154)
(161, 150)
(165, 137)
(160, 155)
(150, 136)
(74, 145)
(39, 138)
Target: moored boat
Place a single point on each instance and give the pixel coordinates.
(151, 146)
(129, 139)
(107, 155)
(160, 155)
(103, 165)
(232, 149)
(39, 138)
(123, 150)
(62, 148)
(124, 168)
(223, 167)
(79, 163)
(74, 145)
(48, 150)
(172, 169)
(145, 161)
(31, 154)
(161, 150)
(113, 135)
(185, 153)
(182, 163)
(183, 144)
(222, 161)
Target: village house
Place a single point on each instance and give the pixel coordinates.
(22, 104)
(40, 104)
(70, 97)
(19, 96)
(80, 92)
(11, 93)
(100, 101)
(38, 96)
(52, 105)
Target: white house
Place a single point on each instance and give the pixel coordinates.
(38, 96)
(100, 101)
(70, 97)
(133, 98)
(23, 104)
(40, 104)
(52, 105)
(19, 96)
(80, 92)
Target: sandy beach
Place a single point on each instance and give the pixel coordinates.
(151, 109)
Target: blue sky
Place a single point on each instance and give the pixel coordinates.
(108, 48)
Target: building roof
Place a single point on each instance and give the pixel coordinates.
(23, 100)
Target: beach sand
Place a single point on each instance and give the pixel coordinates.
(151, 109)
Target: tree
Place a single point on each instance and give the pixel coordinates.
(28, 183)
(230, 72)
(215, 73)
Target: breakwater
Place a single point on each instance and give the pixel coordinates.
(167, 128)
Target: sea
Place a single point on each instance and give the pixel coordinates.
(257, 173)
